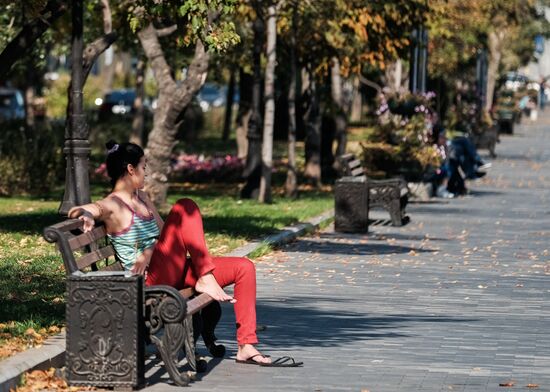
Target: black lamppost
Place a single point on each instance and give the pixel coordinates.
(418, 60)
(77, 147)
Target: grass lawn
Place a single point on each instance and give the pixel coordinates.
(32, 285)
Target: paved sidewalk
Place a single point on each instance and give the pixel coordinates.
(458, 300)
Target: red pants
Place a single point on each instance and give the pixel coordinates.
(183, 233)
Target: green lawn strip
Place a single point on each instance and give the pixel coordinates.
(31, 271)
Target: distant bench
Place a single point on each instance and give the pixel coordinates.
(164, 308)
(391, 194)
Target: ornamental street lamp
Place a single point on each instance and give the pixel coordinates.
(418, 60)
(77, 146)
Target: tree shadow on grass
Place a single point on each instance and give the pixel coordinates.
(28, 223)
(32, 223)
(31, 295)
(246, 226)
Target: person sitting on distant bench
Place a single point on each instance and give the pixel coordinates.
(460, 154)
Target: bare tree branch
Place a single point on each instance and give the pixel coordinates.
(370, 83)
(94, 49)
(166, 31)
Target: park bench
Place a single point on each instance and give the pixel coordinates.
(486, 140)
(391, 194)
(166, 317)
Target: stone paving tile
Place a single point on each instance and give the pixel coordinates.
(458, 300)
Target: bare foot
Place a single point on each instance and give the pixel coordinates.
(247, 351)
(208, 284)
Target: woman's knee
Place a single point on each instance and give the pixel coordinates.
(186, 205)
(247, 267)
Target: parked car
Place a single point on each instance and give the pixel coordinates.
(12, 105)
(211, 96)
(116, 103)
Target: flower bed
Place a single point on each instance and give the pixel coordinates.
(198, 168)
(402, 142)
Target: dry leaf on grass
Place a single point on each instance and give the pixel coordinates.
(47, 380)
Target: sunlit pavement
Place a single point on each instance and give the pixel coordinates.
(458, 300)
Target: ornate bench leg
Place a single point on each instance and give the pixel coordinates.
(190, 352)
(169, 346)
(166, 309)
(395, 212)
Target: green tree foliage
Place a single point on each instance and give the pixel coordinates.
(460, 28)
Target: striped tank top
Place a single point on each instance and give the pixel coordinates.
(141, 234)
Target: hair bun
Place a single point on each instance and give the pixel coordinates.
(110, 144)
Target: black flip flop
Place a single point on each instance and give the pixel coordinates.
(250, 360)
(279, 362)
(283, 362)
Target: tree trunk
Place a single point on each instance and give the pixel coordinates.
(29, 107)
(137, 122)
(269, 116)
(357, 101)
(291, 183)
(253, 169)
(398, 75)
(246, 82)
(340, 121)
(172, 102)
(313, 135)
(108, 69)
(496, 39)
(229, 107)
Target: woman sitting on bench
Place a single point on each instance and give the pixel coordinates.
(146, 245)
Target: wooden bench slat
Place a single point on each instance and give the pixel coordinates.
(96, 255)
(187, 292)
(116, 266)
(68, 225)
(197, 303)
(347, 156)
(84, 239)
(353, 164)
(357, 172)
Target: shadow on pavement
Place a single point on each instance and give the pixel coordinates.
(405, 237)
(483, 193)
(329, 247)
(443, 210)
(301, 322)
